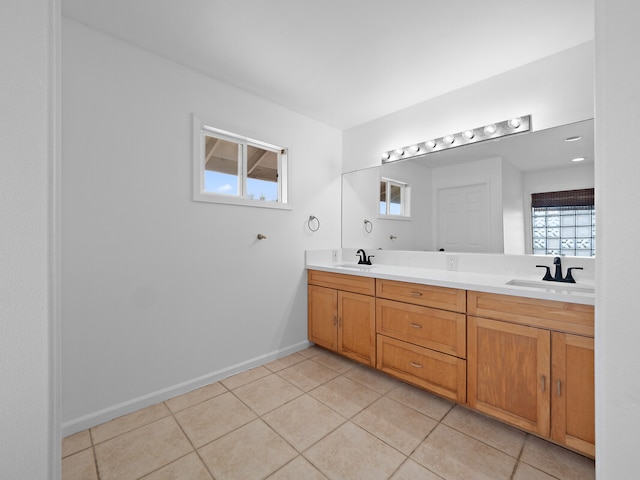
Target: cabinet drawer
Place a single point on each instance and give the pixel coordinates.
(425, 295)
(442, 374)
(548, 314)
(427, 327)
(339, 281)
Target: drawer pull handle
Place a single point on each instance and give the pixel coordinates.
(417, 365)
(416, 294)
(415, 325)
(558, 383)
(543, 381)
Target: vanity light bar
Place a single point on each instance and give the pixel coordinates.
(480, 134)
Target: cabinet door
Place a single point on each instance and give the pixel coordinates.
(572, 396)
(508, 372)
(322, 316)
(356, 327)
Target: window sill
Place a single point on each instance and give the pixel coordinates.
(243, 202)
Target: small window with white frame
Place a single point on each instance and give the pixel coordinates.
(233, 169)
(394, 198)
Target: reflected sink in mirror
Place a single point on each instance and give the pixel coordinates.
(553, 286)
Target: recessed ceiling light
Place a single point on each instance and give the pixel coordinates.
(578, 159)
(573, 139)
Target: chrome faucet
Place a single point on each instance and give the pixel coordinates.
(364, 260)
(557, 277)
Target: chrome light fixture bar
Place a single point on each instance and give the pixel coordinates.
(467, 137)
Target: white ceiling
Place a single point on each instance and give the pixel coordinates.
(345, 62)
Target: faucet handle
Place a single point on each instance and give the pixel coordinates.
(569, 278)
(547, 274)
(368, 262)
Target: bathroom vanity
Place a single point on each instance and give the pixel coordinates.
(521, 354)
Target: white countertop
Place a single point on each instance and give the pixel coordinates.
(482, 282)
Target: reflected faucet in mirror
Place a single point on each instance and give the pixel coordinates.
(364, 260)
(557, 277)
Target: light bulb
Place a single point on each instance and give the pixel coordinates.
(469, 134)
(578, 159)
(414, 148)
(430, 143)
(514, 122)
(490, 129)
(399, 152)
(385, 156)
(449, 139)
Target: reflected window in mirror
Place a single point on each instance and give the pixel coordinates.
(394, 198)
(564, 223)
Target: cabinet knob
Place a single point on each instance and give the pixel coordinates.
(416, 365)
(415, 325)
(416, 294)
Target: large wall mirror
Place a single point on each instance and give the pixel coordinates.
(473, 198)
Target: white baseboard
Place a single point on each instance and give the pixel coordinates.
(96, 418)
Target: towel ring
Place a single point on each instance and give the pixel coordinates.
(313, 222)
(368, 226)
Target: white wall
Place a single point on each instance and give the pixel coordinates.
(513, 210)
(618, 233)
(29, 417)
(361, 200)
(161, 294)
(556, 91)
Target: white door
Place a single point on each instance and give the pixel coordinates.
(463, 220)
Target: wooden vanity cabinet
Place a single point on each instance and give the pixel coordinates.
(419, 344)
(572, 392)
(341, 314)
(531, 364)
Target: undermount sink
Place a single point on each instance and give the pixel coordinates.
(553, 286)
(354, 266)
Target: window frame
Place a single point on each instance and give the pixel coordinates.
(573, 203)
(405, 199)
(202, 129)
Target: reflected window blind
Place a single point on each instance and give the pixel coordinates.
(563, 199)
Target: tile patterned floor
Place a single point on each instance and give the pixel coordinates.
(312, 415)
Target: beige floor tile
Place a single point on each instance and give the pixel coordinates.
(303, 421)
(268, 393)
(556, 461)
(79, 466)
(250, 452)
(398, 425)
(298, 469)
(411, 470)
(424, 402)
(284, 362)
(308, 374)
(243, 378)
(213, 418)
(345, 396)
(372, 379)
(189, 467)
(455, 456)
(126, 423)
(76, 442)
(193, 397)
(334, 361)
(498, 435)
(527, 472)
(311, 351)
(352, 453)
(141, 451)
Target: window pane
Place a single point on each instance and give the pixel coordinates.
(221, 166)
(395, 202)
(262, 174)
(383, 198)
